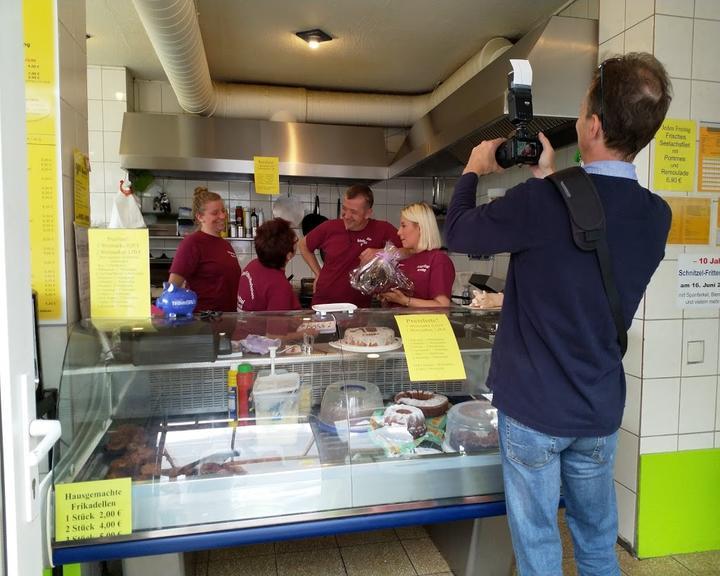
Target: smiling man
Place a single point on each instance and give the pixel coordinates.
(345, 243)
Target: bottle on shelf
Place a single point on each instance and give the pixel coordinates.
(246, 223)
(253, 222)
(232, 394)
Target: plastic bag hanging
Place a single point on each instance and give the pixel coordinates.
(126, 209)
(381, 273)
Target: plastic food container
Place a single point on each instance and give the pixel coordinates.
(352, 400)
(471, 427)
(276, 397)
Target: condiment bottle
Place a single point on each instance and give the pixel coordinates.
(232, 394)
(254, 222)
(244, 387)
(239, 222)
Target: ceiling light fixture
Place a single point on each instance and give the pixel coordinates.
(314, 37)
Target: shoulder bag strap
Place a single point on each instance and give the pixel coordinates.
(587, 218)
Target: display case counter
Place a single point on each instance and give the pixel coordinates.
(311, 447)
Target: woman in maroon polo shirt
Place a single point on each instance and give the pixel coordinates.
(430, 269)
(205, 262)
(263, 285)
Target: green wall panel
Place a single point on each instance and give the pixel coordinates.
(678, 503)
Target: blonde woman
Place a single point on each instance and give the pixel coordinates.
(430, 269)
(205, 262)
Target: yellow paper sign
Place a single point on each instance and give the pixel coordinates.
(709, 159)
(43, 175)
(431, 348)
(81, 172)
(93, 509)
(690, 220)
(267, 174)
(119, 273)
(675, 155)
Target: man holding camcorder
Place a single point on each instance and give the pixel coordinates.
(556, 374)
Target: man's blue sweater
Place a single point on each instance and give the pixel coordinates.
(556, 363)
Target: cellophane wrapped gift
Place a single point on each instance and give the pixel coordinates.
(381, 273)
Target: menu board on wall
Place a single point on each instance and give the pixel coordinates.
(675, 156)
(41, 92)
(119, 273)
(690, 220)
(709, 159)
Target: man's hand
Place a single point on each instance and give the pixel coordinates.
(482, 158)
(546, 163)
(367, 254)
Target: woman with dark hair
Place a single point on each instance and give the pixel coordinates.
(263, 285)
(205, 262)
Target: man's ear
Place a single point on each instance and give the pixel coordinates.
(595, 127)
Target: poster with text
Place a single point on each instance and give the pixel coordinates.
(698, 280)
(675, 144)
(709, 159)
(119, 273)
(41, 119)
(690, 220)
(267, 175)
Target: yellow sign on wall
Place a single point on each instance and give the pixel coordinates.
(709, 159)
(267, 174)
(675, 146)
(41, 86)
(81, 188)
(97, 509)
(431, 348)
(119, 273)
(690, 220)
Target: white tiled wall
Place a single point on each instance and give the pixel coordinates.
(672, 361)
(107, 101)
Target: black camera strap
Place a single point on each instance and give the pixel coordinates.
(587, 218)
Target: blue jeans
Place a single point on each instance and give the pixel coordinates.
(535, 466)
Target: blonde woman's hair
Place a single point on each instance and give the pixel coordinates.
(422, 214)
(201, 197)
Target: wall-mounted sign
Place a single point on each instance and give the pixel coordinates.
(698, 280)
(267, 174)
(690, 220)
(709, 159)
(81, 188)
(41, 90)
(675, 156)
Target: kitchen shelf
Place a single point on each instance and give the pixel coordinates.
(181, 237)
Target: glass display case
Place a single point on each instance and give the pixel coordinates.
(237, 421)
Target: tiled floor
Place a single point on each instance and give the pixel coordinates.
(398, 552)
(402, 552)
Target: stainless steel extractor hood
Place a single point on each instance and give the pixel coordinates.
(563, 55)
(223, 148)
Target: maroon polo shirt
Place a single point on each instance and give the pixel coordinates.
(432, 273)
(262, 288)
(342, 249)
(210, 267)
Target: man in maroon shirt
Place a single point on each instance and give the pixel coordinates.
(346, 243)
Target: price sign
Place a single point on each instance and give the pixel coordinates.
(98, 509)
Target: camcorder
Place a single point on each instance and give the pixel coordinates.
(522, 147)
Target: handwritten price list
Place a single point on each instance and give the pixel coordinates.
(98, 509)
